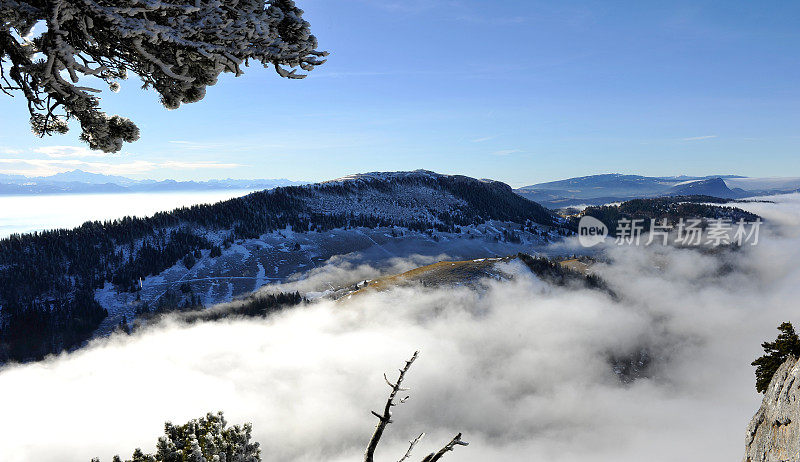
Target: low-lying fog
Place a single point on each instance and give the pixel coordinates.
(37, 212)
(521, 369)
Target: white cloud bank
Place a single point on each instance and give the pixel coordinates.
(60, 161)
(521, 369)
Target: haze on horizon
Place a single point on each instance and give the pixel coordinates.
(521, 92)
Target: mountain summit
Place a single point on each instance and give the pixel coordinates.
(714, 187)
(79, 176)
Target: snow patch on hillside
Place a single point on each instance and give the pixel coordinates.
(407, 203)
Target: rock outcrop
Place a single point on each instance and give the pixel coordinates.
(774, 432)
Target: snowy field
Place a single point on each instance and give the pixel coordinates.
(249, 264)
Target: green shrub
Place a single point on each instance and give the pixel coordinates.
(787, 344)
(200, 440)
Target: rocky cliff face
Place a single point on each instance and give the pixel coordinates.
(774, 433)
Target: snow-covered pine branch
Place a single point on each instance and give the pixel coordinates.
(177, 47)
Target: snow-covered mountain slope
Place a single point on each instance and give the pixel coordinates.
(285, 256)
(58, 273)
(420, 195)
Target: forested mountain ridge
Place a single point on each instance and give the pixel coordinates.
(48, 279)
(672, 209)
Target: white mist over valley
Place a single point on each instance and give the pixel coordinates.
(313, 373)
(29, 213)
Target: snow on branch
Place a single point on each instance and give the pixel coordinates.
(177, 47)
(385, 419)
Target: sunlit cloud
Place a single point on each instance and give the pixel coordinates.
(7, 150)
(62, 152)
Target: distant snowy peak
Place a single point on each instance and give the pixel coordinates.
(79, 176)
(79, 181)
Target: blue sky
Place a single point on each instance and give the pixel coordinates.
(519, 91)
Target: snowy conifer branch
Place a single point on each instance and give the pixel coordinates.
(177, 47)
(386, 418)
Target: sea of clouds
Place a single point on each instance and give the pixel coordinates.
(521, 368)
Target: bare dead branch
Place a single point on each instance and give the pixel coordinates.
(456, 441)
(411, 445)
(386, 418)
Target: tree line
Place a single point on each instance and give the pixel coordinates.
(671, 208)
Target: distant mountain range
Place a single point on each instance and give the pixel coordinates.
(586, 190)
(614, 187)
(78, 181)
